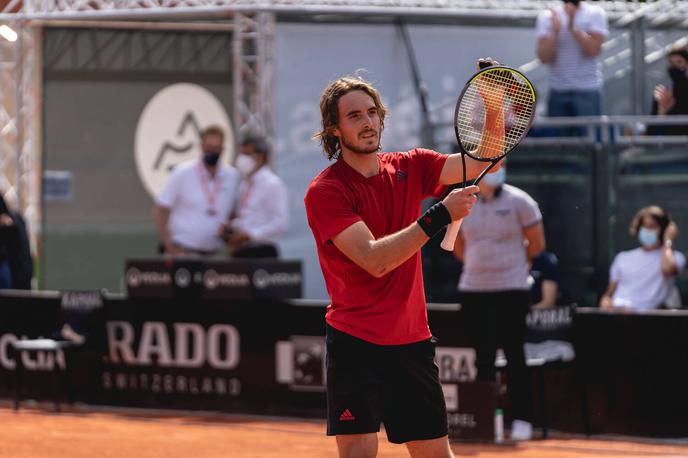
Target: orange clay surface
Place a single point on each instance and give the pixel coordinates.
(95, 432)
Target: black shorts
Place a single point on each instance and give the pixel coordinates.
(397, 385)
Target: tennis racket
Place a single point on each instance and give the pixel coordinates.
(493, 114)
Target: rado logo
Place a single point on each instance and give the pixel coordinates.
(181, 345)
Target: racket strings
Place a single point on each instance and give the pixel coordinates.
(495, 90)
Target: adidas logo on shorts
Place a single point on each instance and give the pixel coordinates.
(346, 416)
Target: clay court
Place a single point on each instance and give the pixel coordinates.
(89, 432)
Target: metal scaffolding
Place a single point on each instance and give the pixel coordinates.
(20, 121)
(253, 69)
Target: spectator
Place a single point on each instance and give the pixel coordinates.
(262, 214)
(16, 263)
(544, 279)
(496, 241)
(196, 200)
(642, 278)
(673, 100)
(569, 40)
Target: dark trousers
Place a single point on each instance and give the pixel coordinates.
(498, 320)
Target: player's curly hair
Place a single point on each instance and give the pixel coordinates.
(330, 113)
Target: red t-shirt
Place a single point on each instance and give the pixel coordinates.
(389, 310)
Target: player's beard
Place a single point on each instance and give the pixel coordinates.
(358, 150)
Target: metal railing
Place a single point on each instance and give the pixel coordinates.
(590, 186)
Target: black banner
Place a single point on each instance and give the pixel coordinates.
(267, 356)
(191, 278)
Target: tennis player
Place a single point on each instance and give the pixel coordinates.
(364, 213)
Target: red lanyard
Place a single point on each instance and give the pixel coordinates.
(210, 195)
(245, 196)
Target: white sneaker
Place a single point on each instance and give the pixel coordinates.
(521, 430)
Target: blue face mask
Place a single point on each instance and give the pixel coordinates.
(496, 179)
(648, 237)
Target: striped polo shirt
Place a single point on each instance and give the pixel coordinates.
(495, 257)
(571, 69)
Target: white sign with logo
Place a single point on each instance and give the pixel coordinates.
(168, 131)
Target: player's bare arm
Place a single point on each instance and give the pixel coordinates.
(380, 256)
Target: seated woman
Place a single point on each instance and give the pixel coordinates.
(642, 278)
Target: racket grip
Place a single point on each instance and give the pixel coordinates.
(450, 237)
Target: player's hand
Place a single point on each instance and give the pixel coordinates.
(459, 202)
(556, 22)
(484, 62)
(492, 94)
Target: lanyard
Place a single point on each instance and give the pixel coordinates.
(245, 196)
(210, 194)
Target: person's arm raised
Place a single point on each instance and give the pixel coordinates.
(590, 43)
(380, 256)
(668, 263)
(547, 44)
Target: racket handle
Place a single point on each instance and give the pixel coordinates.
(450, 236)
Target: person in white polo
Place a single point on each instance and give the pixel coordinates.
(197, 199)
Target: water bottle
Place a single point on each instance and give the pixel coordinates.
(499, 426)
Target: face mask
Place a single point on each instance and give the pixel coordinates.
(245, 164)
(496, 179)
(648, 237)
(211, 157)
(676, 74)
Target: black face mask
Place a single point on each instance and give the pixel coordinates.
(211, 157)
(676, 74)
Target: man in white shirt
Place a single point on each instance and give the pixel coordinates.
(262, 212)
(569, 40)
(197, 199)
